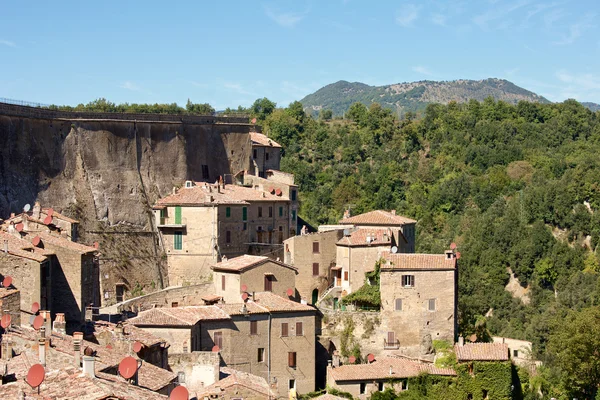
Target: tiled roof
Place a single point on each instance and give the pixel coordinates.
(377, 217)
(58, 215)
(328, 396)
(417, 261)
(246, 262)
(237, 308)
(481, 352)
(234, 378)
(261, 139)
(130, 333)
(20, 247)
(62, 242)
(380, 369)
(178, 316)
(380, 237)
(201, 193)
(70, 383)
(275, 303)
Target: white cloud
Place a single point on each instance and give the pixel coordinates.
(485, 20)
(407, 14)
(130, 86)
(287, 19)
(423, 70)
(577, 29)
(8, 43)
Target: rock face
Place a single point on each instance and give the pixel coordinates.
(107, 171)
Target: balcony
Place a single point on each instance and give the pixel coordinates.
(170, 222)
(393, 345)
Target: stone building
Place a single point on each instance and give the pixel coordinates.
(418, 300)
(362, 380)
(403, 228)
(250, 274)
(314, 255)
(238, 385)
(40, 219)
(10, 302)
(200, 223)
(266, 154)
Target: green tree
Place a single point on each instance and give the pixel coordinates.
(262, 108)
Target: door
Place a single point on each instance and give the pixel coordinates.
(315, 296)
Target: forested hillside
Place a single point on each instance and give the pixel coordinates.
(515, 186)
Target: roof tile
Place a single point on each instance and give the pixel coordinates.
(377, 217)
(260, 139)
(417, 261)
(481, 352)
(380, 369)
(246, 262)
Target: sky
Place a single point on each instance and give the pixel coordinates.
(230, 53)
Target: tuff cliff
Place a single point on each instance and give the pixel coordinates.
(108, 169)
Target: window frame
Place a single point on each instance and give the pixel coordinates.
(315, 269)
(292, 359)
(396, 303)
(254, 328)
(431, 302)
(260, 356)
(316, 248)
(260, 212)
(285, 329)
(178, 240)
(408, 281)
(227, 212)
(299, 328)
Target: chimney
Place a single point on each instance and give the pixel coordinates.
(89, 366)
(37, 210)
(42, 346)
(335, 359)
(59, 324)
(224, 258)
(47, 320)
(77, 339)
(449, 254)
(119, 330)
(6, 347)
(461, 341)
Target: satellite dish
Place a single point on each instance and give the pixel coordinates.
(179, 393)
(50, 212)
(351, 359)
(370, 357)
(394, 249)
(48, 220)
(38, 321)
(36, 241)
(128, 367)
(244, 296)
(244, 288)
(19, 227)
(5, 321)
(7, 281)
(290, 292)
(35, 307)
(27, 207)
(216, 349)
(452, 246)
(137, 347)
(36, 375)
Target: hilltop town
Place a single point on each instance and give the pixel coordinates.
(255, 303)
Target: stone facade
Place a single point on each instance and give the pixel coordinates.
(354, 261)
(313, 261)
(266, 154)
(10, 302)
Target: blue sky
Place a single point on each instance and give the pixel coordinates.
(229, 53)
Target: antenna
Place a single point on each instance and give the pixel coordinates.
(35, 307)
(394, 249)
(179, 393)
(5, 321)
(27, 207)
(38, 321)
(137, 347)
(35, 376)
(7, 281)
(128, 367)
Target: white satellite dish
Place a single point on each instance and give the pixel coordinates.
(394, 249)
(27, 207)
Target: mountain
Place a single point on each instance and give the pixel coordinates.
(592, 106)
(414, 96)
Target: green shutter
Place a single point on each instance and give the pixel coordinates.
(281, 211)
(178, 241)
(178, 214)
(293, 215)
(228, 212)
(244, 213)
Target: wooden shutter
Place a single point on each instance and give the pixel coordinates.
(299, 330)
(315, 269)
(398, 304)
(315, 247)
(284, 329)
(253, 327)
(268, 283)
(391, 338)
(222, 282)
(345, 275)
(292, 359)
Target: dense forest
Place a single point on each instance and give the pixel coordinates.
(516, 187)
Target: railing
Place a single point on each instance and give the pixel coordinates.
(23, 103)
(393, 345)
(170, 221)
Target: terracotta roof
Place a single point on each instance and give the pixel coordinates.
(417, 261)
(260, 139)
(178, 316)
(234, 378)
(200, 194)
(62, 242)
(328, 396)
(246, 262)
(70, 383)
(481, 352)
(20, 247)
(236, 308)
(58, 215)
(380, 370)
(275, 303)
(130, 333)
(377, 217)
(211, 297)
(380, 237)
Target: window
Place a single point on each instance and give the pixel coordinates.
(363, 388)
(431, 305)
(293, 215)
(380, 386)
(255, 154)
(315, 269)
(284, 329)
(293, 195)
(261, 354)
(204, 171)
(259, 212)
(254, 327)
(270, 211)
(268, 283)
(408, 280)
(178, 214)
(218, 339)
(346, 275)
(228, 236)
(244, 213)
(245, 226)
(222, 282)
(398, 304)
(174, 304)
(516, 353)
(299, 330)
(292, 359)
(119, 290)
(178, 240)
(315, 247)
(267, 156)
(281, 211)
(228, 212)
(292, 384)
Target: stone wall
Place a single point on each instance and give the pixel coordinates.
(27, 279)
(10, 300)
(179, 338)
(200, 369)
(183, 296)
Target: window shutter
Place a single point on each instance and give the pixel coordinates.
(391, 337)
(244, 213)
(253, 327)
(222, 282)
(315, 269)
(299, 331)
(398, 304)
(292, 359)
(284, 329)
(315, 247)
(178, 214)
